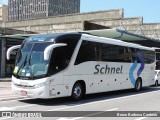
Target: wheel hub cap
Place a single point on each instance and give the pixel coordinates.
(77, 91)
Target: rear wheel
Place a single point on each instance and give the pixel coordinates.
(156, 83)
(77, 91)
(138, 84)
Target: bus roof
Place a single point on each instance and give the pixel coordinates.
(50, 37)
(114, 41)
(126, 36)
(118, 34)
(92, 37)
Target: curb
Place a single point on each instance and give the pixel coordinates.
(12, 97)
(7, 99)
(5, 80)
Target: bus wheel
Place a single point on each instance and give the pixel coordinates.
(77, 91)
(156, 83)
(138, 85)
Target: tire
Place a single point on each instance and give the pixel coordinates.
(156, 83)
(77, 91)
(138, 85)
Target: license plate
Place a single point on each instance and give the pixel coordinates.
(23, 92)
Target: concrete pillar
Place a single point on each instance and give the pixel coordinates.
(3, 57)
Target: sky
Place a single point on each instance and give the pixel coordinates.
(149, 9)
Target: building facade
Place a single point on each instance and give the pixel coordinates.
(30, 9)
(3, 13)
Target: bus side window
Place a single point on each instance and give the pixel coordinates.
(87, 52)
(83, 53)
(58, 59)
(115, 53)
(134, 54)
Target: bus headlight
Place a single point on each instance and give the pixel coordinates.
(42, 84)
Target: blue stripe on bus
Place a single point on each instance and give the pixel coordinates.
(142, 64)
(132, 69)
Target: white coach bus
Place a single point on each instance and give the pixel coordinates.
(75, 64)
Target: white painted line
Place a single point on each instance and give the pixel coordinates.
(5, 118)
(6, 108)
(88, 115)
(112, 99)
(13, 108)
(75, 105)
(8, 98)
(6, 94)
(15, 100)
(11, 96)
(22, 106)
(63, 119)
(141, 118)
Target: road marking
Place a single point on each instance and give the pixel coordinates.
(11, 96)
(5, 118)
(6, 94)
(8, 98)
(141, 118)
(6, 108)
(15, 100)
(112, 99)
(13, 108)
(89, 115)
(75, 105)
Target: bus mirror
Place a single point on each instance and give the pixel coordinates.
(11, 49)
(48, 49)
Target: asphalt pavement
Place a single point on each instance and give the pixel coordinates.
(95, 106)
(5, 90)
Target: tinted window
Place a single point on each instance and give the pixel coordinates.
(158, 65)
(61, 56)
(71, 45)
(134, 54)
(157, 55)
(92, 51)
(58, 60)
(149, 56)
(115, 53)
(87, 52)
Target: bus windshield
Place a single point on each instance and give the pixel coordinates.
(38, 57)
(30, 60)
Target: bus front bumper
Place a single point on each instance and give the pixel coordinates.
(41, 92)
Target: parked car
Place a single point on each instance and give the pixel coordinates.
(157, 77)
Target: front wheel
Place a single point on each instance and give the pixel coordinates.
(138, 85)
(77, 91)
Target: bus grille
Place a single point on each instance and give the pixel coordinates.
(24, 86)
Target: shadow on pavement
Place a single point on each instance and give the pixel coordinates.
(89, 98)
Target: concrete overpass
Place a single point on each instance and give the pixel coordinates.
(77, 22)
